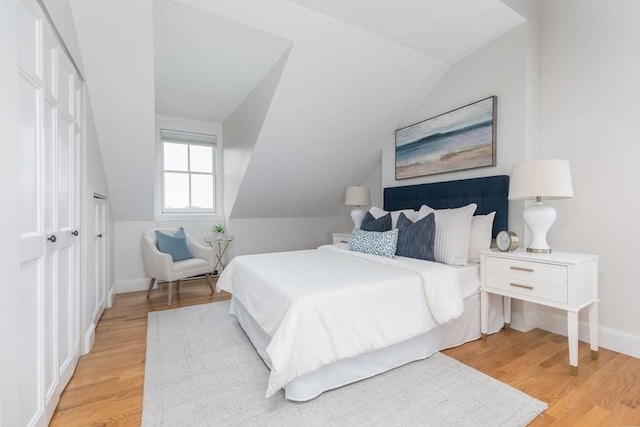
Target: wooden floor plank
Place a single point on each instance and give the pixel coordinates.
(106, 389)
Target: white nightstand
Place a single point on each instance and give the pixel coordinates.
(563, 280)
(341, 238)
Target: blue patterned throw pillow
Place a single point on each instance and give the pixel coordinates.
(416, 239)
(370, 223)
(175, 245)
(374, 242)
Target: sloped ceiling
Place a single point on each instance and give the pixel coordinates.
(443, 29)
(354, 71)
(206, 65)
(116, 41)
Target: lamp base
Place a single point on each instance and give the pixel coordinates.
(539, 218)
(357, 215)
(539, 251)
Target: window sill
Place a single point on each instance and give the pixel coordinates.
(190, 216)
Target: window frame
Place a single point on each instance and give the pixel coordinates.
(188, 126)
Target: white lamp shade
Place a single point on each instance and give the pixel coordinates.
(357, 195)
(540, 179)
(543, 179)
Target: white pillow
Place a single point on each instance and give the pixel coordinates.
(409, 213)
(451, 244)
(480, 235)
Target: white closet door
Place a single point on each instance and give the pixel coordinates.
(36, 252)
(49, 217)
(68, 242)
(100, 251)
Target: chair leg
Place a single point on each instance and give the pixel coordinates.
(211, 285)
(170, 286)
(151, 283)
(178, 285)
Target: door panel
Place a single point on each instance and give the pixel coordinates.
(29, 39)
(29, 118)
(50, 214)
(30, 350)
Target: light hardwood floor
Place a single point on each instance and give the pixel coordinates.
(106, 389)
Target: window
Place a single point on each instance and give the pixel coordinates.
(188, 172)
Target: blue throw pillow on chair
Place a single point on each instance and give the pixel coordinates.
(175, 245)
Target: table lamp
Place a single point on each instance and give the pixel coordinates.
(357, 196)
(538, 180)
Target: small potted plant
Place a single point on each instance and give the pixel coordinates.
(218, 232)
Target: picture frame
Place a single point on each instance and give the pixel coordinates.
(460, 139)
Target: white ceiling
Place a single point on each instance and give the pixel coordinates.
(444, 29)
(206, 65)
(353, 74)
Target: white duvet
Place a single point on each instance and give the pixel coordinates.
(320, 306)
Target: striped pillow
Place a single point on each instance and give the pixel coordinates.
(451, 245)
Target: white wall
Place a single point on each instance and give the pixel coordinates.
(500, 68)
(260, 235)
(590, 115)
(568, 87)
(503, 68)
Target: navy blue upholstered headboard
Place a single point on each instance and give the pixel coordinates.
(489, 193)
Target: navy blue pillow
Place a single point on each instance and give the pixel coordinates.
(416, 239)
(175, 245)
(369, 223)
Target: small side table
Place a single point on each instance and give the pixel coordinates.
(222, 244)
(562, 280)
(341, 238)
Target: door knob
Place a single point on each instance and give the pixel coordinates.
(75, 232)
(52, 238)
(99, 235)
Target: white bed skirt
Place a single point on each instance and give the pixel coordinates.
(464, 329)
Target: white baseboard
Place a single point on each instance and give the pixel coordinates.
(136, 285)
(111, 294)
(131, 285)
(88, 339)
(611, 339)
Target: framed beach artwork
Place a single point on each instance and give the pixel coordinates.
(464, 138)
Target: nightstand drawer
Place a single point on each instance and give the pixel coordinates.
(527, 272)
(341, 238)
(528, 289)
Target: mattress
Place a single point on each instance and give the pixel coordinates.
(343, 372)
(328, 304)
(465, 328)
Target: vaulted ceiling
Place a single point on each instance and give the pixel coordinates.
(354, 71)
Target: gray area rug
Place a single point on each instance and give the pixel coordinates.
(201, 370)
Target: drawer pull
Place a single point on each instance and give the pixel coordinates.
(518, 285)
(528, 270)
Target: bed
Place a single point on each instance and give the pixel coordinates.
(325, 318)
